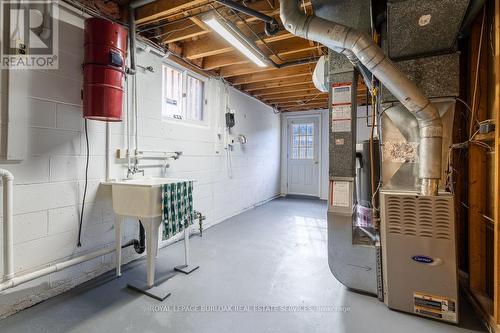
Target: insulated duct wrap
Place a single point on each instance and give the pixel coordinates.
(351, 42)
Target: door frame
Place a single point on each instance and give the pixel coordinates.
(288, 118)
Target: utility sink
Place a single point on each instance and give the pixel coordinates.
(139, 197)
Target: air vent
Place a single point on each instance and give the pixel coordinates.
(419, 216)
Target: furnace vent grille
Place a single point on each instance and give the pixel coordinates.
(413, 215)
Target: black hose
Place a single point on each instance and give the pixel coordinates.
(138, 244)
(85, 189)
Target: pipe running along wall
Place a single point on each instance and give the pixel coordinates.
(8, 221)
(349, 41)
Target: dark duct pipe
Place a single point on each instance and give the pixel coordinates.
(271, 24)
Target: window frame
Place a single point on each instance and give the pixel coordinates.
(305, 147)
(185, 73)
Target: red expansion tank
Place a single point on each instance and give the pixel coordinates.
(103, 69)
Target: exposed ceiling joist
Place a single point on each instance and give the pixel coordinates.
(223, 60)
(292, 45)
(181, 30)
(189, 37)
(162, 8)
(298, 94)
(293, 105)
(205, 46)
(213, 44)
(275, 74)
(299, 100)
(281, 82)
(242, 69)
(273, 91)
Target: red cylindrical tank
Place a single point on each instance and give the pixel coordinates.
(104, 69)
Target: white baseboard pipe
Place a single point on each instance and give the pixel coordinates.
(11, 283)
(8, 224)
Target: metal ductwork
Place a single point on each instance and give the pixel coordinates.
(351, 42)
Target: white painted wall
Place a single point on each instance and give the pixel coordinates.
(324, 160)
(49, 182)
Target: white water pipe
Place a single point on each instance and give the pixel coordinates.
(8, 224)
(15, 281)
(108, 151)
(9, 281)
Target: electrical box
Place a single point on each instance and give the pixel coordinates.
(230, 122)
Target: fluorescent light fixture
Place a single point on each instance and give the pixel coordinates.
(232, 38)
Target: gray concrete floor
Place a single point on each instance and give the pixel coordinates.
(274, 255)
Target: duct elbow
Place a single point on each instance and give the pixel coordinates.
(293, 20)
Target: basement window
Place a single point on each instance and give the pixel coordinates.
(183, 95)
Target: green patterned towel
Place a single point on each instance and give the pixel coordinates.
(177, 207)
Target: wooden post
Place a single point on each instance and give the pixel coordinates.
(496, 105)
(477, 158)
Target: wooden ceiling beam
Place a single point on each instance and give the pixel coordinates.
(259, 28)
(180, 31)
(162, 8)
(301, 99)
(236, 58)
(273, 91)
(243, 69)
(307, 107)
(283, 82)
(223, 60)
(310, 92)
(303, 106)
(214, 44)
(275, 74)
(294, 100)
(292, 45)
(208, 45)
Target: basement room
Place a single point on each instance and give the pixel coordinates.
(284, 166)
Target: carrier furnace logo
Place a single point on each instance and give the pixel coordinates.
(29, 34)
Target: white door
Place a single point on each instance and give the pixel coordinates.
(303, 156)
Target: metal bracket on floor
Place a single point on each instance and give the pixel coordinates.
(157, 292)
(187, 268)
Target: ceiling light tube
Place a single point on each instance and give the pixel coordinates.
(232, 38)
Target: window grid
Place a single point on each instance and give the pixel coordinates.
(303, 141)
(183, 95)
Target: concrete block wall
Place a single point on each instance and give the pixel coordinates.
(49, 182)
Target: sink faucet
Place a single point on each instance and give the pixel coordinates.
(135, 169)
